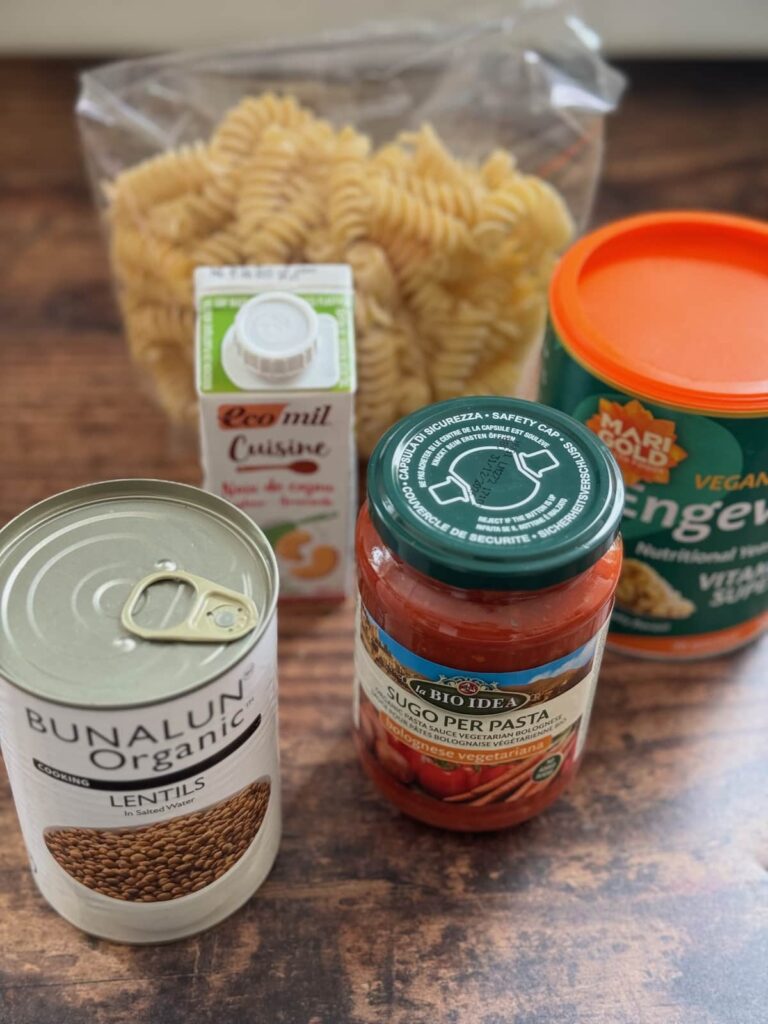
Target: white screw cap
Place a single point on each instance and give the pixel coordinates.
(276, 334)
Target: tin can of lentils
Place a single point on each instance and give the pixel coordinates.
(658, 342)
(138, 705)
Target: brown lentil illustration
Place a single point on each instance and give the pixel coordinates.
(168, 859)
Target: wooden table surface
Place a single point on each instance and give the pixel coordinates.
(640, 898)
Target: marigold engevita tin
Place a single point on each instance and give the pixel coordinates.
(658, 344)
(138, 705)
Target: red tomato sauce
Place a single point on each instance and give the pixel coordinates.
(488, 556)
(480, 630)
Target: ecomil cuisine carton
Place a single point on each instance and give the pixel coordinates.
(276, 381)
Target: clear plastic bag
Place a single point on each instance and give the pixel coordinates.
(532, 84)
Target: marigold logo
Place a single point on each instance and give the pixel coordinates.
(645, 448)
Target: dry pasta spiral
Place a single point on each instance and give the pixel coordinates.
(450, 259)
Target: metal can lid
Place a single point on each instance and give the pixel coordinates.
(495, 493)
(78, 627)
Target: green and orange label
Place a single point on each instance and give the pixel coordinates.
(695, 527)
(644, 446)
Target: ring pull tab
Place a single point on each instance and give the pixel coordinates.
(218, 615)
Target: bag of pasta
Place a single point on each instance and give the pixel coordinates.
(448, 165)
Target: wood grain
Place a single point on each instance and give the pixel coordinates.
(640, 898)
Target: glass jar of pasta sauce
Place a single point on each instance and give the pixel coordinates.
(488, 555)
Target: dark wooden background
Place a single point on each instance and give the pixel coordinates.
(640, 898)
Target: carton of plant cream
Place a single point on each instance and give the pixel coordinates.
(275, 352)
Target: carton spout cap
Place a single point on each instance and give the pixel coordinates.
(276, 334)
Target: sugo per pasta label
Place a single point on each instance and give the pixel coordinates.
(276, 381)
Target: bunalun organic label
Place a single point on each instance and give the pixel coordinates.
(150, 805)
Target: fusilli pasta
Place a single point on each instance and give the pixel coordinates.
(451, 260)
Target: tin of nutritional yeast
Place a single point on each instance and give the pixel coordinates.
(138, 705)
(657, 342)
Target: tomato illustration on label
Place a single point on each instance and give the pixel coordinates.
(443, 779)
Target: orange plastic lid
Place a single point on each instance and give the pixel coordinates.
(672, 307)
